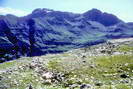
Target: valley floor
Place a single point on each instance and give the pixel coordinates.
(104, 66)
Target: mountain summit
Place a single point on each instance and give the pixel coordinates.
(48, 31)
(104, 18)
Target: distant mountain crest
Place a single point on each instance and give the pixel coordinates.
(103, 18)
(42, 10)
(92, 15)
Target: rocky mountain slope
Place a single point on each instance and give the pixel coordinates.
(104, 66)
(47, 31)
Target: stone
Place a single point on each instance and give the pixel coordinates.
(85, 86)
(47, 75)
(47, 82)
(1, 77)
(98, 84)
(30, 87)
(124, 81)
(73, 86)
(124, 76)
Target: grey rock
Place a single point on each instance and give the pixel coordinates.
(30, 87)
(73, 86)
(124, 75)
(98, 83)
(85, 86)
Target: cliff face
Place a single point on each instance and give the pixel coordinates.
(47, 31)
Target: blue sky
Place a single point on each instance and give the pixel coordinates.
(121, 8)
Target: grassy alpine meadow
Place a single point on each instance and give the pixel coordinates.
(70, 70)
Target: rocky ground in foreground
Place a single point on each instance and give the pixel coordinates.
(104, 66)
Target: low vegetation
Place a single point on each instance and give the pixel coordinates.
(125, 48)
(70, 70)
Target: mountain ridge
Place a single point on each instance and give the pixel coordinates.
(47, 31)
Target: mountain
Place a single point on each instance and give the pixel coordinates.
(47, 31)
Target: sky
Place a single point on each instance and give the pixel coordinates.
(121, 8)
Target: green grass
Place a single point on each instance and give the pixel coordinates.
(13, 63)
(7, 65)
(114, 62)
(122, 86)
(125, 48)
(77, 72)
(105, 69)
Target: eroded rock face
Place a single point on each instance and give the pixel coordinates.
(47, 31)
